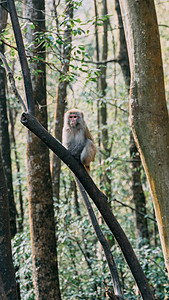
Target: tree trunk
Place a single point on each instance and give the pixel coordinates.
(17, 162)
(139, 200)
(98, 59)
(61, 97)
(41, 211)
(103, 106)
(122, 53)
(4, 133)
(148, 109)
(7, 273)
(141, 227)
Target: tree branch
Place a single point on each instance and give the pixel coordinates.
(12, 81)
(103, 241)
(22, 57)
(134, 209)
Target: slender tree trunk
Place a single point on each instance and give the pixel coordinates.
(103, 105)
(105, 181)
(61, 97)
(4, 133)
(122, 53)
(7, 273)
(141, 226)
(76, 202)
(17, 162)
(148, 109)
(155, 231)
(139, 200)
(41, 210)
(98, 59)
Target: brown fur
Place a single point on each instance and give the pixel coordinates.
(78, 139)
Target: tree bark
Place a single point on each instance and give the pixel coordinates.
(138, 197)
(122, 53)
(148, 109)
(103, 106)
(41, 210)
(4, 132)
(141, 226)
(7, 273)
(103, 138)
(97, 59)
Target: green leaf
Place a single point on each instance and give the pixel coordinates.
(59, 42)
(81, 48)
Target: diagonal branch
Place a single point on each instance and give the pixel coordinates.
(103, 241)
(22, 57)
(12, 81)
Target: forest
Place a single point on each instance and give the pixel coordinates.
(67, 233)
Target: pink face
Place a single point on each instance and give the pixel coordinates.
(73, 120)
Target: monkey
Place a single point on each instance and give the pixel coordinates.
(77, 137)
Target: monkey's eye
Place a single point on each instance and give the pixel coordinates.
(73, 117)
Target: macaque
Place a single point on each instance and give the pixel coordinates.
(77, 138)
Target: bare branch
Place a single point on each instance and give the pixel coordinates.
(134, 209)
(103, 62)
(5, 43)
(12, 81)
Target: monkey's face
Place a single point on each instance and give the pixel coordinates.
(73, 119)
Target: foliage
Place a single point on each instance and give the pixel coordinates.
(21, 246)
(78, 280)
(82, 266)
